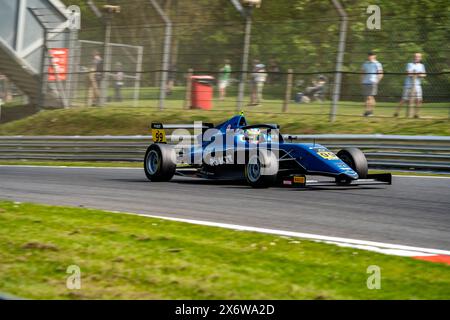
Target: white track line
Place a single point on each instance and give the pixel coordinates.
(386, 248)
(418, 176)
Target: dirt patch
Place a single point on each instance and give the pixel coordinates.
(40, 246)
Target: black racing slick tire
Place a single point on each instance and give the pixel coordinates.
(262, 169)
(160, 162)
(356, 160)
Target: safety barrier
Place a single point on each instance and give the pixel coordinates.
(424, 153)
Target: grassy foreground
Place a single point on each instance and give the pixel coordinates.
(131, 257)
(123, 119)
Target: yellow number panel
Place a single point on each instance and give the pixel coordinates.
(328, 155)
(159, 135)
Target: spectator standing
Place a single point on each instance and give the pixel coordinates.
(118, 82)
(372, 71)
(93, 90)
(95, 77)
(412, 87)
(224, 79)
(259, 77)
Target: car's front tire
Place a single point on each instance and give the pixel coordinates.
(356, 160)
(160, 162)
(262, 169)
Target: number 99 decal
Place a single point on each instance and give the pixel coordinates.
(328, 155)
(159, 136)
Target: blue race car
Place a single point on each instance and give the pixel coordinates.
(257, 154)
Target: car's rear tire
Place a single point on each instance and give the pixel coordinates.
(262, 169)
(160, 162)
(356, 160)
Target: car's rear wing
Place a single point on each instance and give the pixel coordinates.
(181, 126)
(262, 125)
(159, 129)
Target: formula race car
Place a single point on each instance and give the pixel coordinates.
(258, 154)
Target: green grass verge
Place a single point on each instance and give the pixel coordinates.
(131, 257)
(123, 119)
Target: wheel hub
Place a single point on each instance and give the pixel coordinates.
(153, 162)
(254, 171)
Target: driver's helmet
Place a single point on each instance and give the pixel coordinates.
(254, 135)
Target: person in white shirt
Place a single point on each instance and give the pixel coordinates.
(259, 77)
(372, 71)
(118, 82)
(412, 88)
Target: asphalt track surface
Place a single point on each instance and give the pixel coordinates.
(413, 211)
